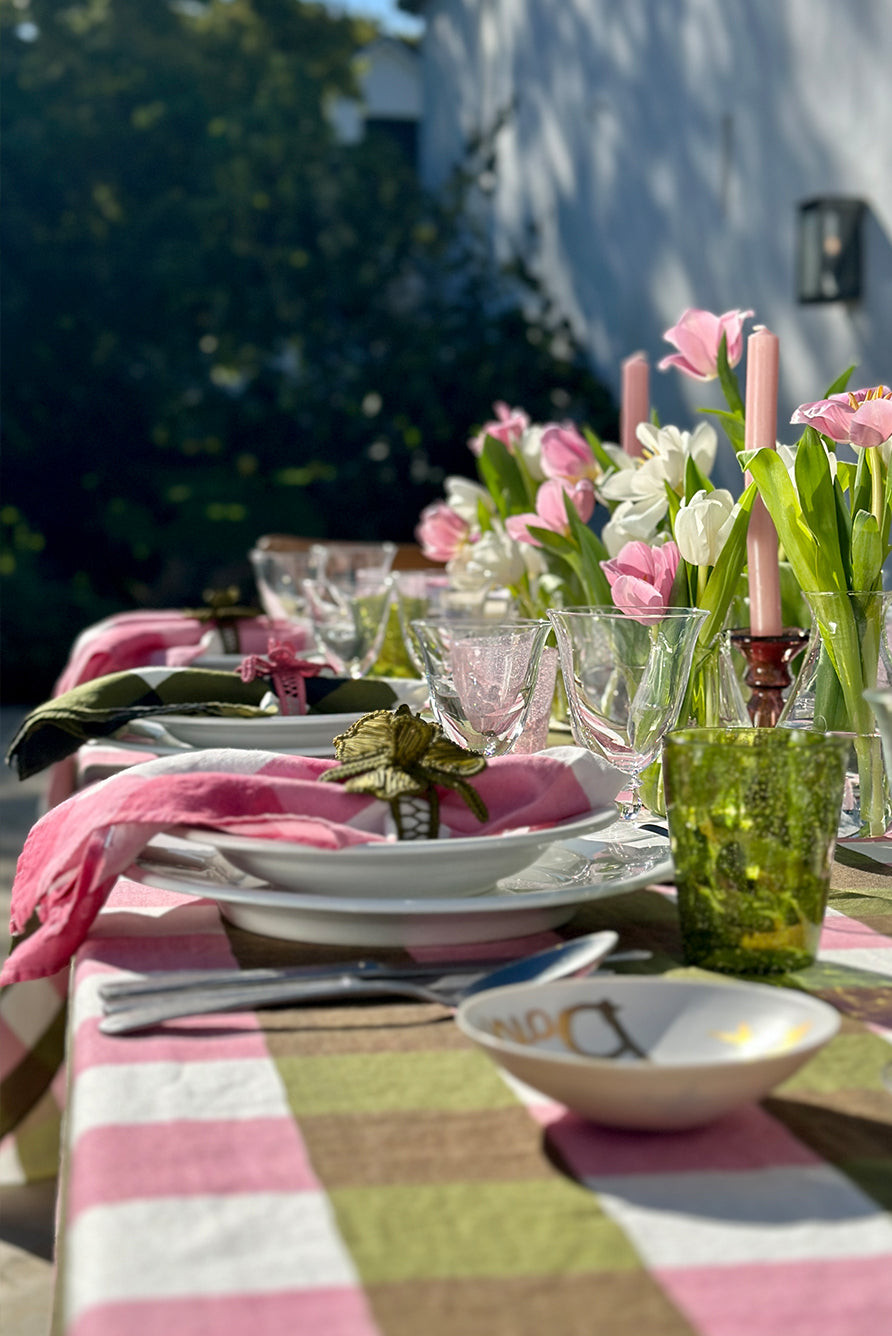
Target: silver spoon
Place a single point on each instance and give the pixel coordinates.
(449, 988)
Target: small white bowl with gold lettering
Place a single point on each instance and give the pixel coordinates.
(652, 1053)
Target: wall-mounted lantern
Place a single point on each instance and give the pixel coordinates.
(829, 250)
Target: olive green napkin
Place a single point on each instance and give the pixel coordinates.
(98, 708)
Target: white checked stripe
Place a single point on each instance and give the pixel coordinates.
(250, 1243)
(876, 961)
(160, 1092)
(29, 1008)
(784, 1213)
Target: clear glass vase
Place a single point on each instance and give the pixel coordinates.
(848, 654)
(714, 698)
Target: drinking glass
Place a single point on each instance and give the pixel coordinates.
(344, 564)
(753, 814)
(279, 576)
(430, 596)
(625, 679)
(349, 620)
(482, 677)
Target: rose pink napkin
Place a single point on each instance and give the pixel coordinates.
(137, 639)
(76, 851)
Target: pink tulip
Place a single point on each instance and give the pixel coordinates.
(550, 510)
(872, 421)
(566, 454)
(859, 417)
(697, 337)
(508, 427)
(441, 531)
(641, 577)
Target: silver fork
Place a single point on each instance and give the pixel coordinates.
(125, 1015)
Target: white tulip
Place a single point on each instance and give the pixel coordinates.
(493, 558)
(529, 447)
(631, 521)
(702, 526)
(465, 496)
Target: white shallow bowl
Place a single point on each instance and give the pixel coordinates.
(270, 732)
(417, 869)
(648, 1053)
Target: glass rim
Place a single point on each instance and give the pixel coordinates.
(747, 736)
(480, 623)
(610, 609)
(353, 545)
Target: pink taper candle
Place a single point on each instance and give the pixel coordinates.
(635, 401)
(761, 430)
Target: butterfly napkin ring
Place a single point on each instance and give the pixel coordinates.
(287, 672)
(400, 758)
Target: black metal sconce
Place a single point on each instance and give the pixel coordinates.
(829, 250)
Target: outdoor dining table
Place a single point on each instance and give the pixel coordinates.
(361, 1168)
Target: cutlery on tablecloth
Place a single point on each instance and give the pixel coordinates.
(448, 985)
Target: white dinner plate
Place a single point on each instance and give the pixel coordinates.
(879, 850)
(419, 869)
(148, 748)
(271, 732)
(566, 877)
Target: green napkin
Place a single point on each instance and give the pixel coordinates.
(98, 708)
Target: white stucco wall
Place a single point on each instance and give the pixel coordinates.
(388, 73)
(661, 148)
(390, 80)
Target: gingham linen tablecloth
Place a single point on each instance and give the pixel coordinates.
(345, 1171)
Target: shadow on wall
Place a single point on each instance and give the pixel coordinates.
(658, 154)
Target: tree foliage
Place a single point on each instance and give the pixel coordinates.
(219, 321)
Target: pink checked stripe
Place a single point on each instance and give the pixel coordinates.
(183, 1159)
(111, 1165)
(746, 1139)
(789, 1298)
(840, 933)
(322, 1312)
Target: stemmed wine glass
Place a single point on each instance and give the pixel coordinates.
(343, 564)
(625, 678)
(279, 576)
(349, 620)
(482, 678)
(348, 600)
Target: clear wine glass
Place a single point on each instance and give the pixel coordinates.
(625, 678)
(279, 576)
(482, 677)
(349, 620)
(344, 564)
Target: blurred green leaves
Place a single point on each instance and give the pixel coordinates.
(205, 293)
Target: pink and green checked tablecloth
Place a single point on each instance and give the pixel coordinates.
(360, 1170)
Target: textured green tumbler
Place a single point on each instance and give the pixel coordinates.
(753, 816)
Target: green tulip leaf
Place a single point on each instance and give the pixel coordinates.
(725, 574)
(600, 454)
(868, 551)
(503, 479)
(842, 380)
(814, 483)
(695, 480)
(782, 503)
(733, 425)
(728, 381)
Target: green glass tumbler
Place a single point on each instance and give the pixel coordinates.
(753, 815)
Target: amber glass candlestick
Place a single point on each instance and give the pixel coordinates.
(768, 670)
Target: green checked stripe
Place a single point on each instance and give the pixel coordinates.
(412, 1231)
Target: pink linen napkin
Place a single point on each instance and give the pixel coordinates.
(75, 852)
(141, 638)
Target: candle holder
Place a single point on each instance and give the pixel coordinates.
(768, 672)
